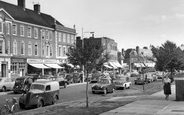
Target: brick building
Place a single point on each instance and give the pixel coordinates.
(29, 37)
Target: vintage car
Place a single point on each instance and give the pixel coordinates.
(21, 83)
(6, 84)
(61, 80)
(104, 85)
(41, 93)
(140, 80)
(95, 76)
(122, 82)
(77, 77)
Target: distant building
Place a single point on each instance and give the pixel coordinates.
(30, 37)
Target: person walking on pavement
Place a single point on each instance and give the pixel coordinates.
(167, 87)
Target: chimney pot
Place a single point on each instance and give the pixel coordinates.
(21, 3)
(37, 8)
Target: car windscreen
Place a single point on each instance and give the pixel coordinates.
(37, 86)
(19, 81)
(104, 81)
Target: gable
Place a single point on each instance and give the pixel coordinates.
(5, 15)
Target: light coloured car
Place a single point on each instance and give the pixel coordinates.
(6, 83)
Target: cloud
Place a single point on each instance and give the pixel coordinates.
(179, 16)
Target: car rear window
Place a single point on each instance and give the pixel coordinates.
(37, 86)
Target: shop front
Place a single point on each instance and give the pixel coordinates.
(18, 67)
(5, 67)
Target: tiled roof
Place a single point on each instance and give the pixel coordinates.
(29, 16)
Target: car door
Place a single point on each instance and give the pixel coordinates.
(12, 82)
(48, 94)
(7, 83)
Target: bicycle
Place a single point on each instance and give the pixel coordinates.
(7, 109)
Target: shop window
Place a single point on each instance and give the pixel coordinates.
(46, 35)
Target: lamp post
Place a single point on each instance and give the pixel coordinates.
(83, 69)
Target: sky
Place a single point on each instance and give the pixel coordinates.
(130, 23)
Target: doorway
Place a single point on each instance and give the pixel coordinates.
(3, 70)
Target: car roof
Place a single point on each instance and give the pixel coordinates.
(24, 77)
(54, 84)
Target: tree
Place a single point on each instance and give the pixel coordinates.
(91, 56)
(168, 57)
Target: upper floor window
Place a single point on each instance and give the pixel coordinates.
(50, 35)
(22, 48)
(51, 52)
(8, 28)
(64, 37)
(59, 36)
(64, 51)
(21, 30)
(8, 47)
(1, 46)
(15, 47)
(14, 29)
(36, 50)
(35, 33)
(59, 50)
(68, 38)
(29, 32)
(1, 27)
(47, 50)
(43, 34)
(46, 35)
(29, 49)
(72, 39)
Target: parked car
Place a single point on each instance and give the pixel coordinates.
(95, 76)
(77, 77)
(22, 84)
(61, 80)
(6, 83)
(122, 82)
(41, 93)
(68, 77)
(141, 79)
(149, 77)
(104, 85)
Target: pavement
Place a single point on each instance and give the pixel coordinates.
(154, 104)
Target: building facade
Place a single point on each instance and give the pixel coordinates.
(30, 37)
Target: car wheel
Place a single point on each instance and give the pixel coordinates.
(93, 92)
(4, 89)
(105, 91)
(112, 90)
(54, 100)
(40, 104)
(65, 85)
(22, 106)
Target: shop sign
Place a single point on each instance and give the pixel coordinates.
(17, 60)
(35, 61)
(47, 61)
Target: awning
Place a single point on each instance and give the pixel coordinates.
(112, 64)
(117, 64)
(38, 65)
(69, 64)
(107, 66)
(54, 66)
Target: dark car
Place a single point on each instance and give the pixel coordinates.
(77, 77)
(104, 85)
(95, 76)
(22, 83)
(141, 79)
(61, 80)
(41, 93)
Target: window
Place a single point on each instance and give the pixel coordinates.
(50, 35)
(1, 46)
(1, 26)
(64, 37)
(29, 49)
(14, 29)
(43, 34)
(59, 50)
(22, 50)
(47, 50)
(36, 50)
(68, 38)
(21, 30)
(64, 50)
(29, 32)
(8, 28)
(47, 88)
(46, 35)
(35, 33)
(15, 47)
(43, 49)
(72, 39)
(8, 47)
(51, 52)
(59, 37)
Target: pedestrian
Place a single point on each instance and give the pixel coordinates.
(167, 86)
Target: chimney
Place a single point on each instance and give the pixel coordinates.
(22, 4)
(37, 8)
(137, 50)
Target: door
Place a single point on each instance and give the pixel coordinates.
(3, 70)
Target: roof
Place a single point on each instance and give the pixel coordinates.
(29, 16)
